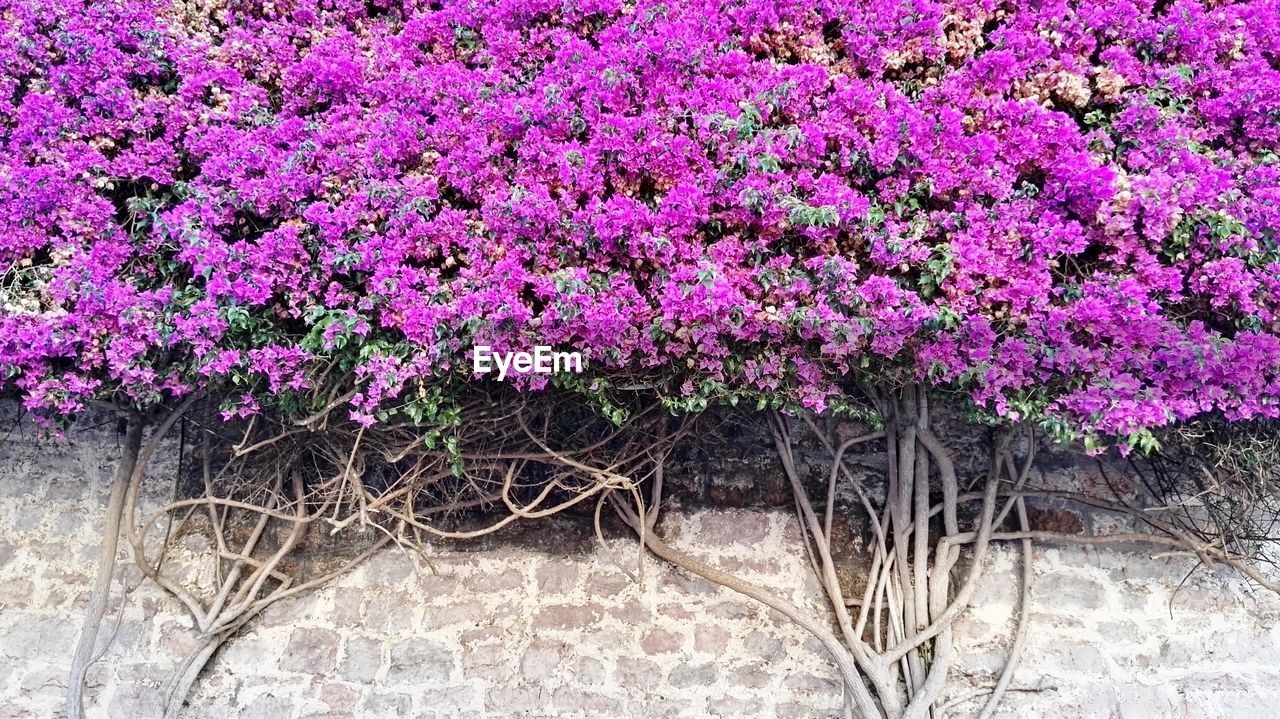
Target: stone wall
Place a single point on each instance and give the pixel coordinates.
(543, 622)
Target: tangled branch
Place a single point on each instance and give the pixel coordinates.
(269, 492)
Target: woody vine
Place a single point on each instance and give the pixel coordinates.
(303, 215)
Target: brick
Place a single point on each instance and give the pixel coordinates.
(285, 612)
(734, 707)
(467, 614)
(268, 706)
(484, 661)
(755, 675)
(143, 673)
(587, 672)
(44, 638)
(386, 704)
(764, 645)
(1122, 631)
(66, 490)
(241, 655)
(566, 616)
(631, 612)
(483, 633)
(45, 681)
(1138, 701)
(1200, 600)
(733, 611)
(995, 590)
(811, 685)
(65, 523)
(794, 710)
(542, 659)
(751, 565)
(812, 646)
(416, 661)
(361, 659)
(347, 606)
(685, 675)
(719, 529)
(448, 700)
(557, 576)
(435, 583)
(388, 567)
(15, 593)
(95, 678)
(1061, 521)
(638, 675)
(677, 612)
(1067, 594)
(339, 698)
(660, 641)
(1185, 651)
(131, 637)
(488, 582)
(1142, 569)
(390, 612)
(20, 485)
(135, 701)
(28, 519)
(604, 584)
(1078, 658)
(651, 708)
(178, 638)
(70, 579)
(311, 651)
(518, 701)
(969, 629)
(573, 701)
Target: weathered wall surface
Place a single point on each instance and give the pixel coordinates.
(547, 625)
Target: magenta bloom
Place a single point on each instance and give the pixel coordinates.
(1066, 211)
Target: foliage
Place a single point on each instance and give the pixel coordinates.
(1065, 210)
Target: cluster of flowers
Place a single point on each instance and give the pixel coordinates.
(1067, 209)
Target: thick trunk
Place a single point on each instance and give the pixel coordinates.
(86, 645)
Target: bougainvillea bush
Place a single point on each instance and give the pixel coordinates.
(1066, 211)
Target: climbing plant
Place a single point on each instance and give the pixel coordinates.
(306, 213)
